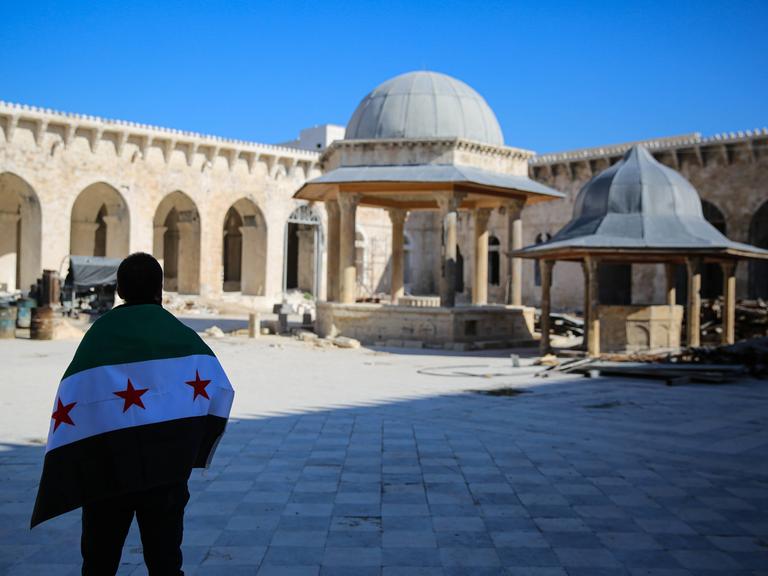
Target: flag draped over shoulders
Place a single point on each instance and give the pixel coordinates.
(143, 402)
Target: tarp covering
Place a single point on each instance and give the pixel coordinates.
(92, 271)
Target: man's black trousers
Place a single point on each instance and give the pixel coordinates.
(160, 515)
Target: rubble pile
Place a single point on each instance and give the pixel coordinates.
(751, 319)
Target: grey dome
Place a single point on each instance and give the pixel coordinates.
(424, 105)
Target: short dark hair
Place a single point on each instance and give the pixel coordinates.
(140, 279)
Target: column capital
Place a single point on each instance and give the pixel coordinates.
(332, 207)
(9, 217)
(482, 215)
(348, 201)
(85, 226)
(397, 216)
(514, 207)
(449, 201)
(728, 266)
(693, 264)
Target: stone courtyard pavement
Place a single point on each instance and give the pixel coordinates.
(355, 462)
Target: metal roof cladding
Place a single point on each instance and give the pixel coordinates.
(424, 105)
(638, 203)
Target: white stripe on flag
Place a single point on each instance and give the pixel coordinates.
(98, 409)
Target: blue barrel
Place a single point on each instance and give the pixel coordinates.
(24, 312)
(7, 321)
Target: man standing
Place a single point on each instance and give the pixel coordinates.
(143, 402)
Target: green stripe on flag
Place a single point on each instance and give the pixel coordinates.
(134, 334)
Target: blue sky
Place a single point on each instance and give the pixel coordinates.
(559, 75)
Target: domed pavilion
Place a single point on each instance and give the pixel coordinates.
(428, 142)
(640, 211)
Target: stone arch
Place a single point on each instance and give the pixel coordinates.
(99, 223)
(303, 249)
(176, 242)
(494, 261)
(21, 233)
(245, 249)
(711, 273)
(758, 269)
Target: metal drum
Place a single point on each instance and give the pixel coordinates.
(42, 324)
(7, 321)
(24, 312)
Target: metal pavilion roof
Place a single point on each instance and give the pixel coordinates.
(639, 206)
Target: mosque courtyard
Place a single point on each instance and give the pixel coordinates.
(395, 462)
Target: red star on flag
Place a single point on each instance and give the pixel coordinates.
(62, 414)
(199, 386)
(131, 396)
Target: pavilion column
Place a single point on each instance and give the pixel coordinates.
(398, 216)
(449, 210)
(693, 313)
(514, 242)
(670, 270)
(729, 302)
(480, 285)
(545, 346)
(591, 303)
(587, 304)
(332, 274)
(671, 276)
(347, 273)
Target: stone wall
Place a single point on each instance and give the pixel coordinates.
(47, 159)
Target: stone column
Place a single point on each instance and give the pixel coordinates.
(480, 287)
(158, 243)
(249, 264)
(587, 303)
(729, 302)
(449, 207)
(398, 216)
(83, 241)
(546, 284)
(117, 239)
(332, 273)
(10, 257)
(347, 272)
(693, 313)
(188, 275)
(669, 270)
(591, 314)
(514, 242)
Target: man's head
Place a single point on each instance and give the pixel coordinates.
(140, 279)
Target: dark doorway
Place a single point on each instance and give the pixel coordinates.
(292, 270)
(494, 261)
(459, 270)
(233, 251)
(712, 274)
(758, 269)
(171, 251)
(100, 241)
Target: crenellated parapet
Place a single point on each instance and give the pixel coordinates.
(132, 141)
(679, 152)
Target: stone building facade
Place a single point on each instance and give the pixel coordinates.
(216, 212)
(221, 217)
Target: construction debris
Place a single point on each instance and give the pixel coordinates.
(345, 342)
(751, 319)
(214, 332)
(561, 324)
